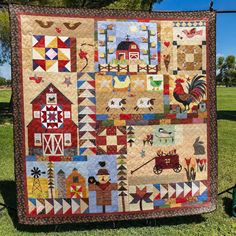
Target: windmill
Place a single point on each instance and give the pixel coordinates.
(36, 173)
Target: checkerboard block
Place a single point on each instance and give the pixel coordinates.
(111, 140)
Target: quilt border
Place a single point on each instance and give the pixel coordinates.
(18, 121)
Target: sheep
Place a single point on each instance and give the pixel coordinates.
(116, 103)
(144, 103)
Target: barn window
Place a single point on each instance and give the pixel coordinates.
(67, 114)
(75, 179)
(67, 139)
(51, 98)
(133, 46)
(37, 139)
(36, 114)
(121, 56)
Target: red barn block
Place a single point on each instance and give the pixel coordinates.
(127, 50)
(52, 132)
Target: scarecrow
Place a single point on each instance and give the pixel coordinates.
(102, 186)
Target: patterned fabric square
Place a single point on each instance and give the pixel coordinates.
(189, 57)
(76, 191)
(52, 117)
(54, 53)
(111, 140)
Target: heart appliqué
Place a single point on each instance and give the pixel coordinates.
(167, 44)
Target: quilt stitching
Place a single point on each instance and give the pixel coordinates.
(124, 130)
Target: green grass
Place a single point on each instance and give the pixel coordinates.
(226, 99)
(5, 95)
(219, 222)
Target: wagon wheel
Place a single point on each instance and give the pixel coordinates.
(157, 170)
(178, 169)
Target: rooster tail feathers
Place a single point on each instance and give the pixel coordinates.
(197, 87)
(196, 81)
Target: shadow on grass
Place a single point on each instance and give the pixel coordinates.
(8, 192)
(226, 115)
(228, 202)
(5, 113)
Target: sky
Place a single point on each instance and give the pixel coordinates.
(226, 33)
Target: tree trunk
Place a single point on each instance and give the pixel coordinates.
(141, 204)
(51, 192)
(123, 203)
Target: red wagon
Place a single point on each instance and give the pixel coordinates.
(167, 162)
(164, 161)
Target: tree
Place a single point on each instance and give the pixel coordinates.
(226, 71)
(3, 81)
(112, 4)
(50, 173)
(221, 68)
(132, 4)
(4, 37)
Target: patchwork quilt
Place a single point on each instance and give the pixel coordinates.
(114, 114)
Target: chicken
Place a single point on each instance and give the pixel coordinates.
(163, 131)
(192, 32)
(166, 61)
(119, 85)
(196, 91)
(155, 83)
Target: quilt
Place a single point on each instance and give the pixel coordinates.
(114, 114)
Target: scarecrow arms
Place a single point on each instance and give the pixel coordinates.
(113, 186)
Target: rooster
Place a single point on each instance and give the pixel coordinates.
(196, 91)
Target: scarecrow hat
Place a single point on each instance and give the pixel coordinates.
(103, 172)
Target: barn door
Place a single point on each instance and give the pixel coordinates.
(53, 144)
(133, 55)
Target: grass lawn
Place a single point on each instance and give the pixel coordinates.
(219, 222)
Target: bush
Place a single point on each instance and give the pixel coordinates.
(5, 82)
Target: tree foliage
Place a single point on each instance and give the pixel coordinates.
(4, 37)
(5, 82)
(226, 71)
